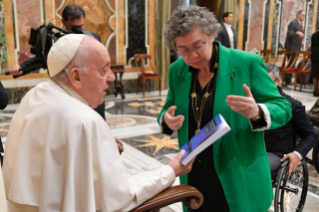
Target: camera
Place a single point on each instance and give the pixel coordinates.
(41, 41)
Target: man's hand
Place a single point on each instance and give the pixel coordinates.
(294, 160)
(119, 145)
(178, 167)
(300, 34)
(245, 106)
(174, 123)
(15, 70)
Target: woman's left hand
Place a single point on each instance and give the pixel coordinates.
(245, 106)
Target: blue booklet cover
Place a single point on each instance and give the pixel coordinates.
(210, 133)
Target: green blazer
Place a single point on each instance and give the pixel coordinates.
(240, 156)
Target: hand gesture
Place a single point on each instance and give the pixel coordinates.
(294, 160)
(178, 167)
(245, 106)
(174, 123)
(300, 34)
(119, 145)
(15, 70)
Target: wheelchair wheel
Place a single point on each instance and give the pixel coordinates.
(315, 156)
(291, 191)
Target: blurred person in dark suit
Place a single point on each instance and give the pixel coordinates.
(280, 141)
(295, 36)
(226, 35)
(315, 62)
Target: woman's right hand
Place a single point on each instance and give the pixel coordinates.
(174, 123)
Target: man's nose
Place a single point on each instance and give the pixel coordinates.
(110, 76)
(193, 53)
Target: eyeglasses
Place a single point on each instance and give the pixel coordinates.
(197, 48)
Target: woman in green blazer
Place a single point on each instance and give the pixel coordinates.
(209, 79)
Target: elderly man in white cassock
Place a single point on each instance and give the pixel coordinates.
(60, 154)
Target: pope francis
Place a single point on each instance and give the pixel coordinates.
(60, 154)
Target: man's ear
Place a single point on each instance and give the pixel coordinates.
(76, 78)
(63, 21)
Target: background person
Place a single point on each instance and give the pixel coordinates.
(72, 15)
(294, 40)
(4, 99)
(280, 141)
(63, 157)
(226, 35)
(208, 80)
(315, 62)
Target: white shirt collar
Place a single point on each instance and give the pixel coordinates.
(227, 25)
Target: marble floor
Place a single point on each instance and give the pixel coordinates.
(133, 121)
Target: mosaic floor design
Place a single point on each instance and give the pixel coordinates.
(150, 107)
(156, 145)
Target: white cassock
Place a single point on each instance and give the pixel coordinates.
(61, 156)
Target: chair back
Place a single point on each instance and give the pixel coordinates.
(305, 55)
(286, 53)
(142, 58)
(266, 52)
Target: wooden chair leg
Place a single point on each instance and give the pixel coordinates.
(160, 86)
(283, 79)
(138, 84)
(295, 83)
(149, 86)
(301, 78)
(143, 88)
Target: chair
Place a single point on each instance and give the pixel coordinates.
(286, 53)
(144, 75)
(190, 196)
(295, 71)
(303, 74)
(266, 52)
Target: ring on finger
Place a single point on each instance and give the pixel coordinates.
(241, 107)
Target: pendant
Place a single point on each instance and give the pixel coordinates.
(206, 95)
(197, 131)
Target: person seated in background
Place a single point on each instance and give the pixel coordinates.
(280, 141)
(60, 154)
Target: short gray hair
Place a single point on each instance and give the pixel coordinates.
(184, 19)
(274, 69)
(80, 61)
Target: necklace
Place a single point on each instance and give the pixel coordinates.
(198, 111)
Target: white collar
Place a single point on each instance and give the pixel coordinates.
(227, 25)
(70, 91)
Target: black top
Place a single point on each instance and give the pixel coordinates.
(280, 141)
(203, 175)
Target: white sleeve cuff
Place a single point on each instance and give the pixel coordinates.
(266, 118)
(299, 155)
